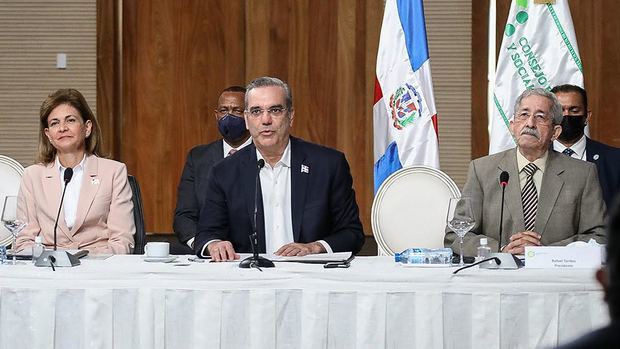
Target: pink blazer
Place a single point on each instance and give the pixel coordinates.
(104, 220)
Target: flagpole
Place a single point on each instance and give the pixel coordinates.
(491, 62)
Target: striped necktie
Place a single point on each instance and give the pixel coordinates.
(529, 197)
(568, 151)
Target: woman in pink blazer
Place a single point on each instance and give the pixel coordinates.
(97, 212)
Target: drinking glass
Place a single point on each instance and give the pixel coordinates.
(12, 222)
(460, 219)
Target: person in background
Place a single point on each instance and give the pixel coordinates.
(192, 186)
(609, 278)
(305, 200)
(550, 199)
(97, 212)
(573, 142)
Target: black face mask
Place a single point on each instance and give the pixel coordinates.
(231, 127)
(572, 128)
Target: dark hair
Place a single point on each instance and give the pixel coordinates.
(234, 88)
(269, 81)
(568, 88)
(72, 97)
(613, 260)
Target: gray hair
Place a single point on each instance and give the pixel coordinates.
(556, 107)
(269, 81)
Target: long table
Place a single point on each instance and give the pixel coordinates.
(125, 302)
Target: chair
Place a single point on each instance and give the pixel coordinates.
(138, 216)
(409, 209)
(11, 173)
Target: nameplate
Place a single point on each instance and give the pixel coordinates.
(563, 257)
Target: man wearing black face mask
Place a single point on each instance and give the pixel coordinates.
(573, 142)
(190, 193)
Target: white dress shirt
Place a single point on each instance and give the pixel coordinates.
(579, 148)
(228, 148)
(275, 183)
(72, 195)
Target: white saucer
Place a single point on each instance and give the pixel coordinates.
(167, 259)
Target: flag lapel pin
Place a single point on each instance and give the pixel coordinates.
(305, 169)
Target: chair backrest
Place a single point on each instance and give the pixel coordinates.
(409, 209)
(11, 173)
(138, 216)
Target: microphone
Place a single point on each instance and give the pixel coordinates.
(500, 260)
(255, 261)
(67, 179)
(55, 257)
(503, 182)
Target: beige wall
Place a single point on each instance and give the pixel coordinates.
(31, 34)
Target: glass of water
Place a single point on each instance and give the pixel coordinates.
(460, 219)
(12, 222)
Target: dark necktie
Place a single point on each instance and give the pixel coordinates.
(568, 151)
(232, 151)
(529, 197)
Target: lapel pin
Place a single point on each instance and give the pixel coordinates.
(94, 181)
(595, 157)
(305, 169)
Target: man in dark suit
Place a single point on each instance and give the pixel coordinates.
(306, 203)
(193, 183)
(574, 143)
(609, 277)
(550, 199)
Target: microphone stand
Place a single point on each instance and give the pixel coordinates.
(501, 218)
(256, 261)
(502, 260)
(57, 258)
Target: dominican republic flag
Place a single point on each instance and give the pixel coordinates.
(539, 49)
(405, 119)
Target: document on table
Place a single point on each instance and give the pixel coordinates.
(315, 258)
(319, 258)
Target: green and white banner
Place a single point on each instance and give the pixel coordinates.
(539, 49)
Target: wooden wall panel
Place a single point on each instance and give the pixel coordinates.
(109, 88)
(326, 51)
(597, 23)
(177, 56)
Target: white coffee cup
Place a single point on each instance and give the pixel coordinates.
(157, 249)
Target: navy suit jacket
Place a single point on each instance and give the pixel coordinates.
(193, 185)
(607, 160)
(322, 200)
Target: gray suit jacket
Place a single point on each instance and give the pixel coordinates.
(570, 202)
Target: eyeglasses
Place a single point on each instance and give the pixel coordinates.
(539, 118)
(275, 111)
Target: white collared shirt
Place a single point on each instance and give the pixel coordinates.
(228, 148)
(541, 163)
(72, 195)
(275, 183)
(579, 148)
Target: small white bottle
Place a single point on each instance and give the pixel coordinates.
(484, 251)
(37, 248)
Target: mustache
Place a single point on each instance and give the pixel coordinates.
(530, 131)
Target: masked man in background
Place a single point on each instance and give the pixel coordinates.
(192, 187)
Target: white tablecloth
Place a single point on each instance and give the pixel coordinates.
(124, 302)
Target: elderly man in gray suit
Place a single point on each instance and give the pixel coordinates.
(550, 199)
